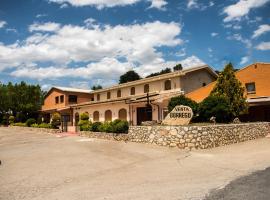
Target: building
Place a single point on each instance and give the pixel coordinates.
(136, 101)
(255, 79)
(145, 99)
(60, 99)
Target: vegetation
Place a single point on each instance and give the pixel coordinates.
(129, 76)
(30, 121)
(84, 122)
(183, 100)
(11, 119)
(96, 87)
(42, 125)
(177, 67)
(95, 126)
(164, 71)
(229, 87)
(56, 120)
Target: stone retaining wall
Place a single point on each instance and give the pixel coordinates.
(102, 135)
(46, 130)
(198, 137)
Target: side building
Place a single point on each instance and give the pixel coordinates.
(255, 79)
(143, 100)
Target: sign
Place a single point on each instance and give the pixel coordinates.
(180, 115)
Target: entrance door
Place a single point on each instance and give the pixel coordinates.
(65, 120)
(144, 114)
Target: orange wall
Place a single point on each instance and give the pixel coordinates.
(258, 73)
(49, 102)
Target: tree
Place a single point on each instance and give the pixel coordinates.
(216, 106)
(96, 87)
(177, 67)
(182, 100)
(129, 76)
(164, 71)
(229, 87)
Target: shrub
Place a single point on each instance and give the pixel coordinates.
(120, 126)
(84, 116)
(45, 125)
(182, 100)
(4, 120)
(106, 127)
(20, 117)
(216, 106)
(35, 125)
(56, 120)
(19, 124)
(11, 119)
(30, 121)
(96, 126)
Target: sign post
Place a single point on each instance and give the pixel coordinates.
(180, 115)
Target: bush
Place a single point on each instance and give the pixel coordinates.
(106, 127)
(4, 120)
(30, 121)
(19, 124)
(120, 126)
(45, 125)
(35, 125)
(84, 116)
(11, 119)
(96, 126)
(182, 100)
(20, 117)
(216, 106)
(56, 120)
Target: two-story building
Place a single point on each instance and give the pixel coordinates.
(60, 99)
(145, 99)
(255, 79)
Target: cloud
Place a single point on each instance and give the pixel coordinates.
(80, 84)
(241, 8)
(263, 46)
(239, 38)
(41, 15)
(79, 51)
(194, 4)
(244, 60)
(100, 4)
(2, 23)
(191, 62)
(261, 30)
(46, 27)
(214, 34)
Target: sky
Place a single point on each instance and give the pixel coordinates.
(81, 43)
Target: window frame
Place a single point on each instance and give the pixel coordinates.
(62, 99)
(132, 91)
(69, 98)
(57, 100)
(253, 91)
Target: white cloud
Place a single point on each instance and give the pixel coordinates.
(64, 5)
(181, 53)
(191, 62)
(261, 30)
(2, 23)
(134, 45)
(80, 84)
(41, 15)
(241, 8)
(263, 46)
(46, 27)
(159, 4)
(244, 60)
(239, 38)
(214, 34)
(100, 4)
(194, 4)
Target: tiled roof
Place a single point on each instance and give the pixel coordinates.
(68, 89)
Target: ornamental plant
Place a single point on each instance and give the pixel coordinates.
(56, 120)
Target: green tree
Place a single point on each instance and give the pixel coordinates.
(96, 87)
(164, 71)
(229, 87)
(177, 67)
(129, 76)
(182, 100)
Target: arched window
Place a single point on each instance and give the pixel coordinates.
(108, 95)
(108, 115)
(146, 88)
(96, 116)
(132, 91)
(119, 93)
(122, 114)
(77, 119)
(98, 97)
(168, 85)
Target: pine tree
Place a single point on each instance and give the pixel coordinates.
(230, 87)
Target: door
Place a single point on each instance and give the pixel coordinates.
(65, 120)
(144, 114)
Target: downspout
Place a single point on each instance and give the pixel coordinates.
(158, 110)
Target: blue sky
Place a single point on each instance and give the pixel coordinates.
(80, 43)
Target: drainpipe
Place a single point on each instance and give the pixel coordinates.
(158, 110)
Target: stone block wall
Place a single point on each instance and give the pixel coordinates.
(102, 135)
(198, 137)
(46, 130)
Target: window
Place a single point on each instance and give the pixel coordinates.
(250, 87)
(119, 93)
(108, 95)
(132, 91)
(146, 88)
(168, 85)
(108, 116)
(72, 98)
(96, 116)
(122, 114)
(56, 100)
(203, 84)
(98, 97)
(62, 99)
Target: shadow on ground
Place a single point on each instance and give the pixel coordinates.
(254, 186)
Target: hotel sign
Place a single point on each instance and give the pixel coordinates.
(180, 115)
